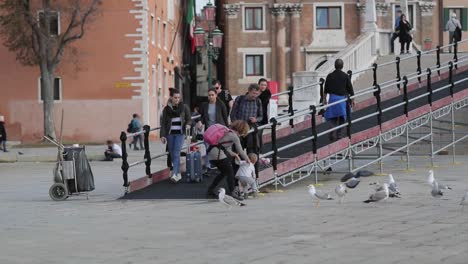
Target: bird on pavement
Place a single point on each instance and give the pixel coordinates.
(341, 191)
(393, 187)
(381, 194)
(227, 200)
(436, 192)
(464, 200)
(431, 180)
(317, 195)
(361, 173)
(352, 183)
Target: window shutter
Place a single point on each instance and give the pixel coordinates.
(446, 18)
(464, 18)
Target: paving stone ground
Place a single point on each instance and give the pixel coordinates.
(279, 227)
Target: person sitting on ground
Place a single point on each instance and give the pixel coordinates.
(113, 151)
(221, 157)
(246, 174)
(3, 135)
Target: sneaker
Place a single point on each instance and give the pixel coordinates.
(179, 177)
(246, 195)
(136, 148)
(255, 193)
(174, 178)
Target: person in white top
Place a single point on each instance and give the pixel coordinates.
(246, 174)
(113, 151)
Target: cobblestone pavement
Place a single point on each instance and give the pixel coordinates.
(279, 227)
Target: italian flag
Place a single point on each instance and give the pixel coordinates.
(191, 22)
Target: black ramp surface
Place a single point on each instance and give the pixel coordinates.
(169, 190)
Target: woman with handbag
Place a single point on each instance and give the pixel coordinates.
(404, 35)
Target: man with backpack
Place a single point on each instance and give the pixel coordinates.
(454, 27)
(248, 108)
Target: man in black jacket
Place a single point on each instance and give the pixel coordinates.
(338, 86)
(3, 134)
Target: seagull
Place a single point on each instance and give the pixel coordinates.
(227, 200)
(381, 194)
(431, 180)
(464, 200)
(318, 195)
(436, 191)
(352, 183)
(392, 187)
(341, 191)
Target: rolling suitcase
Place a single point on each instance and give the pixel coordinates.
(193, 163)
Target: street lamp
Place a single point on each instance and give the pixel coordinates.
(211, 40)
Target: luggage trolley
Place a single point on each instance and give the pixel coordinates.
(72, 173)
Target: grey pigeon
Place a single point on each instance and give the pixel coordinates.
(347, 176)
(364, 173)
(318, 195)
(352, 183)
(380, 194)
(227, 200)
(436, 192)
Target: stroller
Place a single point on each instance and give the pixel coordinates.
(72, 173)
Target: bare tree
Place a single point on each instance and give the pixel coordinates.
(30, 28)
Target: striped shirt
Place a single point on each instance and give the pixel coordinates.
(176, 126)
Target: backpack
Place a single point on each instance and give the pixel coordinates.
(214, 133)
(130, 127)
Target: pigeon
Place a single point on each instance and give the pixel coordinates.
(464, 200)
(431, 180)
(318, 195)
(392, 187)
(381, 194)
(227, 200)
(361, 173)
(436, 192)
(352, 183)
(341, 191)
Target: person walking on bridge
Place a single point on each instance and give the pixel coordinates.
(454, 27)
(337, 87)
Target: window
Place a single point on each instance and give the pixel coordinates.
(165, 36)
(165, 80)
(153, 30)
(254, 65)
(253, 18)
(159, 32)
(170, 10)
(57, 89)
(328, 17)
(462, 16)
(54, 24)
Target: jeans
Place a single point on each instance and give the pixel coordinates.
(136, 139)
(247, 181)
(392, 42)
(175, 143)
(403, 45)
(3, 143)
(207, 159)
(334, 122)
(451, 40)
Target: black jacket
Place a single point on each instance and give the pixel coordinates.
(185, 117)
(3, 132)
(404, 34)
(338, 83)
(221, 113)
(265, 97)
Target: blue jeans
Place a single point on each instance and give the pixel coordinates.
(207, 159)
(175, 143)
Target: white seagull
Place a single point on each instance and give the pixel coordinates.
(431, 180)
(381, 194)
(464, 200)
(436, 192)
(341, 191)
(392, 187)
(318, 195)
(227, 200)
